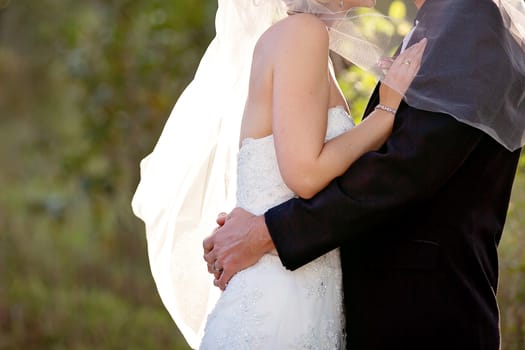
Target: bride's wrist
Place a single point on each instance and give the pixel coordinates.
(386, 108)
(390, 102)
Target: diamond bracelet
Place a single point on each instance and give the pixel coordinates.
(386, 109)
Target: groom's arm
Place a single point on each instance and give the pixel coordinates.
(425, 149)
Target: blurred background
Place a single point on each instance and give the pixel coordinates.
(85, 89)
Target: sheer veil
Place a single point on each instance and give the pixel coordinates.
(474, 65)
(190, 175)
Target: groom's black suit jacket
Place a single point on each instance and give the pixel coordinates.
(418, 223)
(418, 228)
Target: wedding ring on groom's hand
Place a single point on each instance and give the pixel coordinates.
(214, 267)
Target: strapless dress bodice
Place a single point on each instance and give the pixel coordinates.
(260, 185)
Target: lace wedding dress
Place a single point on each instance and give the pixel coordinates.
(266, 306)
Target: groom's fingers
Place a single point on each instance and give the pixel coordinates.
(221, 218)
(216, 283)
(210, 257)
(209, 254)
(224, 278)
(210, 268)
(209, 242)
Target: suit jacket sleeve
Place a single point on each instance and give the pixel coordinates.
(424, 150)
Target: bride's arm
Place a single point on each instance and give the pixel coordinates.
(300, 104)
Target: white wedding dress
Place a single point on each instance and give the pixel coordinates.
(266, 306)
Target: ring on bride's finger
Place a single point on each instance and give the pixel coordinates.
(407, 62)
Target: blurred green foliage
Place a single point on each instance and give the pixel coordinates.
(85, 90)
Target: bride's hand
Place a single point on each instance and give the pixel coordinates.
(401, 73)
(385, 63)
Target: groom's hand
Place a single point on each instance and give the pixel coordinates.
(239, 242)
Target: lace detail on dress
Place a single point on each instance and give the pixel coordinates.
(260, 185)
(266, 306)
(244, 327)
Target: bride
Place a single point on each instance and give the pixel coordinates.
(265, 81)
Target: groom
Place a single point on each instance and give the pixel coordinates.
(418, 222)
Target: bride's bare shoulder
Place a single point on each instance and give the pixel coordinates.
(295, 30)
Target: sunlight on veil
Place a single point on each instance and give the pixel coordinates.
(191, 174)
